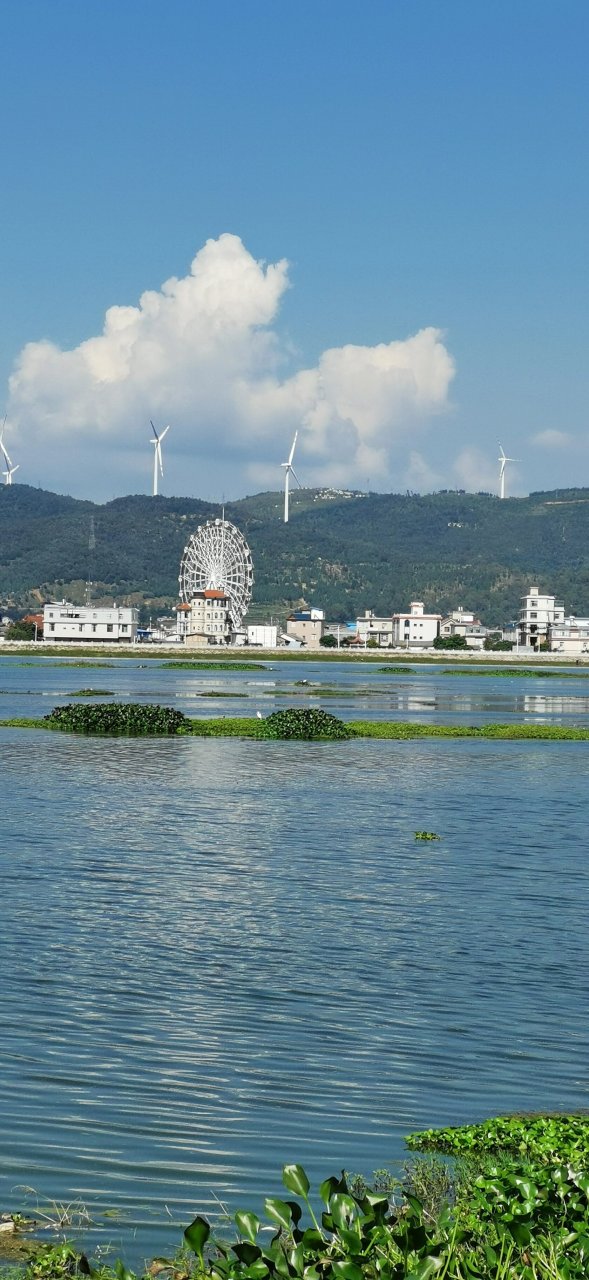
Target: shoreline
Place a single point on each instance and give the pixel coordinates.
(250, 653)
(383, 730)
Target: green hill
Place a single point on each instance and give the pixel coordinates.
(347, 552)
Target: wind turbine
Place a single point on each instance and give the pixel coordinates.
(10, 470)
(503, 460)
(289, 471)
(157, 457)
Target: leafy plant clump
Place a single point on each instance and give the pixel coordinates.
(426, 835)
(219, 664)
(131, 718)
(535, 1137)
(395, 671)
(308, 723)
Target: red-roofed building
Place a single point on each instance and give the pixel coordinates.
(209, 619)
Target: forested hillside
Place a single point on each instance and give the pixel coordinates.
(348, 553)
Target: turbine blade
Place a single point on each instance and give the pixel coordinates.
(163, 433)
(154, 431)
(291, 454)
(293, 473)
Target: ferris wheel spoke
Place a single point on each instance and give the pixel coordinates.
(217, 557)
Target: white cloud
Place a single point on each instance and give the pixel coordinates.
(474, 472)
(419, 476)
(201, 353)
(552, 439)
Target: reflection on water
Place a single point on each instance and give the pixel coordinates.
(218, 956)
(350, 690)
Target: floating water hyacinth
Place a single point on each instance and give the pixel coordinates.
(130, 718)
(307, 723)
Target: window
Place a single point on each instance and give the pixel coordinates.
(109, 626)
(124, 626)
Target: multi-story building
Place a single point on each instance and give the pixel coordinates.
(209, 619)
(537, 615)
(306, 625)
(416, 629)
(462, 623)
(371, 627)
(569, 636)
(65, 623)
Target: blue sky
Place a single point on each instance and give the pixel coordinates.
(420, 165)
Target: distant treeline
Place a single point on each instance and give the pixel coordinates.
(346, 554)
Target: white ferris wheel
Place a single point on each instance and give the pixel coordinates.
(218, 558)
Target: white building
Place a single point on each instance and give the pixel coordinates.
(537, 615)
(416, 629)
(182, 620)
(460, 622)
(209, 620)
(371, 627)
(88, 624)
(263, 634)
(569, 636)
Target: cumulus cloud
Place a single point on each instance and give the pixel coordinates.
(474, 472)
(202, 354)
(552, 439)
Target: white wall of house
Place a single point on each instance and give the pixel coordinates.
(209, 618)
(415, 629)
(371, 627)
(569, 636)
(538, 613)
(264, 635)
(88, 624)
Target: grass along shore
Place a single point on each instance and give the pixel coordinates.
(389, 730)
(209, 654)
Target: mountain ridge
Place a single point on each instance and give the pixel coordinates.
(343, 550)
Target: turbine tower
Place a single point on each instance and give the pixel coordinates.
(10, 470)
(503, 460)
(157, 457)
(288, 472)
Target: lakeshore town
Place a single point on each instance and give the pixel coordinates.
(207, 619)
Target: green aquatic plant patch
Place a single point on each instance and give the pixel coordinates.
(70, 666)
(500, 1226)
(308, 723)
(404, 730)
(386, 730)
(130, 718)
(91, 693)
(395, 671)
(225, 727)
(523, 672)
(427, 835)
(219, 664)
(543, 1137)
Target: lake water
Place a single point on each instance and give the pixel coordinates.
(220, 956)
